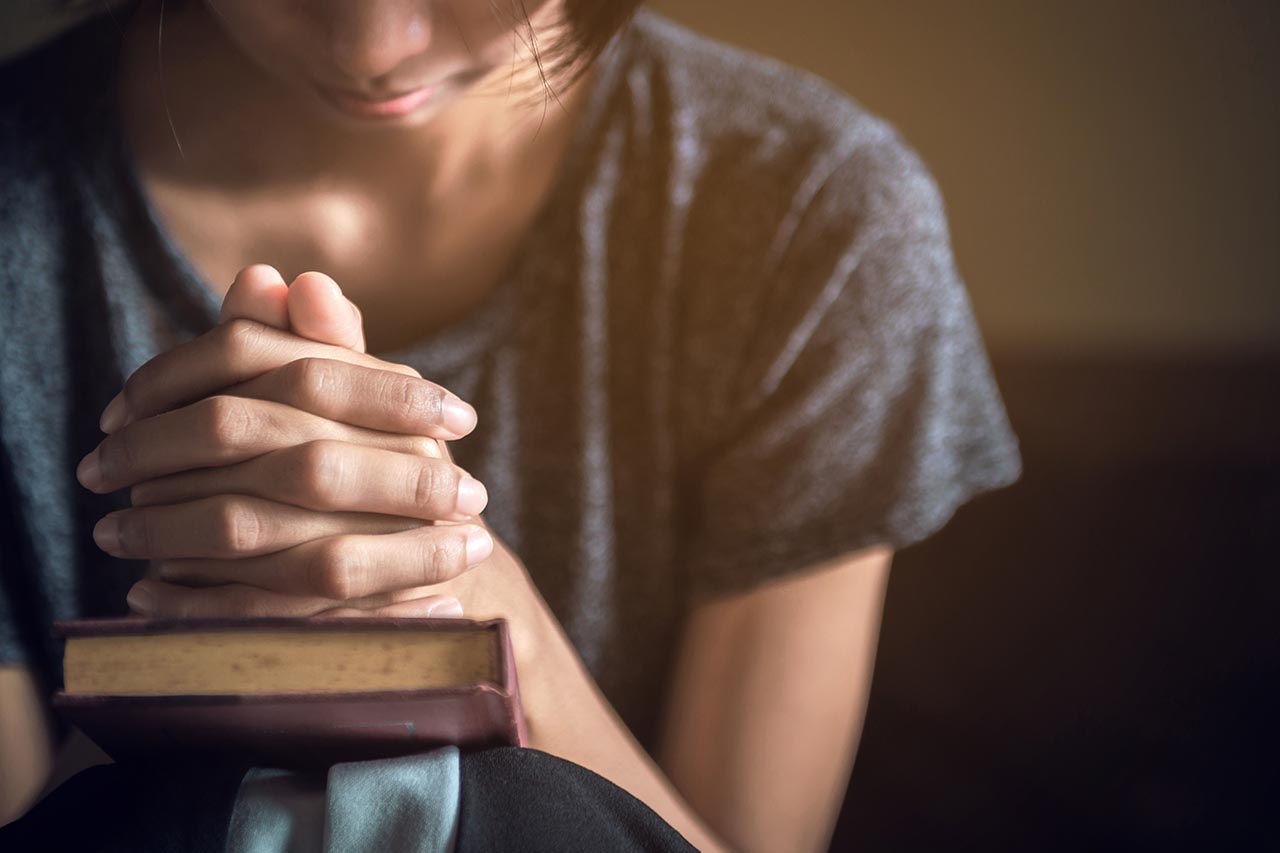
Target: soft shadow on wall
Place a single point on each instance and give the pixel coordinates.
(1085, 660)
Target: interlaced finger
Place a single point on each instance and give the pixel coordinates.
(232, 352)
(346, 567)
(333, 476)
(370, 397)
(228, 526)
(217, 431)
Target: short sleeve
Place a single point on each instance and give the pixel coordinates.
(864, 411)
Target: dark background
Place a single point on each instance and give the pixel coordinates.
(1085, 660)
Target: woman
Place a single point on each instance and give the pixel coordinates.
(703, 341)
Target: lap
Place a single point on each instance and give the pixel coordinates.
(510, 799)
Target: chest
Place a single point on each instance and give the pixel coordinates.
(412, 268)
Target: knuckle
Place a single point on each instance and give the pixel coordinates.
(421, 445)
(243, 600)
(419, 403)
(134, 390)
(116, 456)
(125, 457)
(240, 336)
(238, 527)
(184, 604)
(313, 380)
(119, 457)
(337, 570)
(427, 484)
(229, 421)
(135, 533)
(441, 560)
(321, 469)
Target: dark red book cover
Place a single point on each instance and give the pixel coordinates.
(301, 730)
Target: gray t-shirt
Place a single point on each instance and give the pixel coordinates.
(734, 344)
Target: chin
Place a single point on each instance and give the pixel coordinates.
(364, 122)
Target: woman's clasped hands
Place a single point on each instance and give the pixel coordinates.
(276, 469)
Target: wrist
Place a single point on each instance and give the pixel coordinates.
(551, 675)
(500, 588)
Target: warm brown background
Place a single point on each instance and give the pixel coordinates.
(1110, 168)
(1086, 660)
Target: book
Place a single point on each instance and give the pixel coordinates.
(300, 693)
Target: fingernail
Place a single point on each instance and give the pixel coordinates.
(89, 471)
(479, 545)
(106, 533)
(457, 416)
(472, 497)
(141, 600)
(448, 608)
(114, 415)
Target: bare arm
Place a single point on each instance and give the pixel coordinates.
(566, 713)
(765, 669)
(26, 742)
(771, 688)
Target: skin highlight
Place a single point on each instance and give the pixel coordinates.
(418, 217)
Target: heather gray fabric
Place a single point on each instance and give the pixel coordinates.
(733, 345)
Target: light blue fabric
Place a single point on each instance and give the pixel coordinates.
(402, 804)
(278, 811)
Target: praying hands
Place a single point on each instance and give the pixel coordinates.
(277, 469)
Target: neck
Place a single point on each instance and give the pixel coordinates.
(208, 114)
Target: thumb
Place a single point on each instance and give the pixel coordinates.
(319, 311)
(258, 293)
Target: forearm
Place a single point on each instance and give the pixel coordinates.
(566, 713)
(771, 687)
(26, 742)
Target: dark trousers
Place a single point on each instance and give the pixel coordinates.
(512, 799)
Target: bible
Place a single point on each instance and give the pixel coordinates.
(290, 692)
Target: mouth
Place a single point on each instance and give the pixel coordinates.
(389, 107)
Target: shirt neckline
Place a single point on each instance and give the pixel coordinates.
(186, 293)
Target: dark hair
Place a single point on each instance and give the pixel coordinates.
(577, 38)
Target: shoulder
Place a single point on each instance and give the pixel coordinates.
(46, 97)
(48, 123)
(763, 144)
(739, 93)
(52, 103)
(783, 183)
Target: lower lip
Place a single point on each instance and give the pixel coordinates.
(396, 107)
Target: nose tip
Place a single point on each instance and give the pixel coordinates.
(371, 48)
